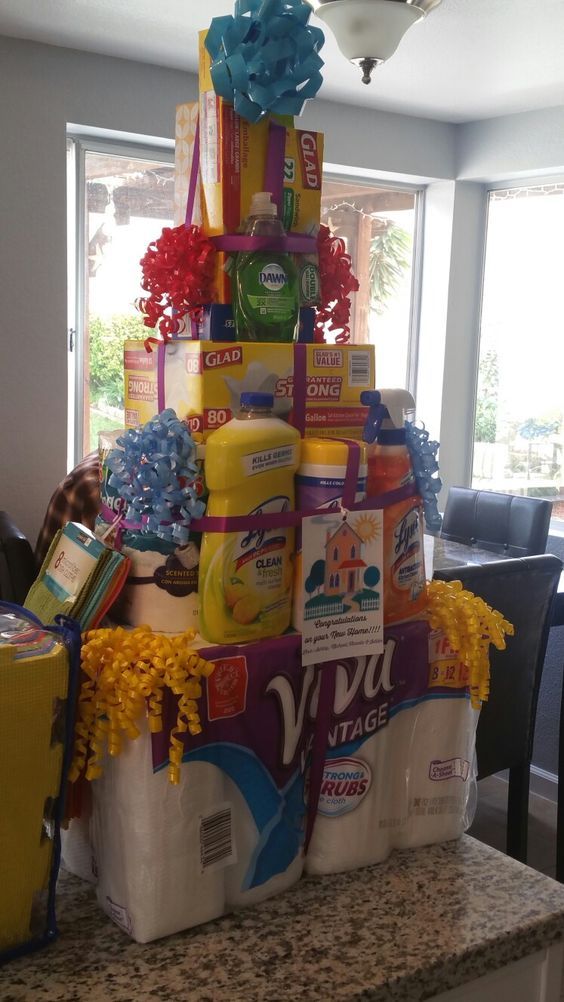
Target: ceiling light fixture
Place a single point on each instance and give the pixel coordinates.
(369, 31)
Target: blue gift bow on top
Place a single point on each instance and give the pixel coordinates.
(267, 62)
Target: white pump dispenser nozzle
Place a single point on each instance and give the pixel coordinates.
(262, 204)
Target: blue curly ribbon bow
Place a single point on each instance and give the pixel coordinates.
(426, 468)
(267, 62)
(154, 471)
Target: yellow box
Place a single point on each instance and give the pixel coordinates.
(233, 156)
(233, 163)
(203, 381)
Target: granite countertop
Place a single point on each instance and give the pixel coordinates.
(420, 923)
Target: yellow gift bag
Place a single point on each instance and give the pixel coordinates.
(39, 669)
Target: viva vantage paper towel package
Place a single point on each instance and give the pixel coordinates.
(232, 832)
(398, 768)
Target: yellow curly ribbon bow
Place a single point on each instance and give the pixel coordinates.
(126, 673)
(470, 626)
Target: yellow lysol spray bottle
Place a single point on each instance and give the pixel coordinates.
(246, 577)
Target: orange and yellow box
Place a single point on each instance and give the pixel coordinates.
(203, 382)
(233, 154)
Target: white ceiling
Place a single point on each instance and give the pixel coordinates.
(468, 59)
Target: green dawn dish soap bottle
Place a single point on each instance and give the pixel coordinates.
(265, 283)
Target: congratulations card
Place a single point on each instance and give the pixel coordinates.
(341, 585)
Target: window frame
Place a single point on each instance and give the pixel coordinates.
(529, 181)
(80, 143)
(418, 190)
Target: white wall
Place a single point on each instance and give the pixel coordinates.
(43, 88)
(512, 146)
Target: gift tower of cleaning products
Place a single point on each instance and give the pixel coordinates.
(284, 693)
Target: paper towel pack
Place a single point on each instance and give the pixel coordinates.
(398, 769)
(393, 748)
(232, 832)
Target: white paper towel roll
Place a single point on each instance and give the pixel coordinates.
(147, 837)
(77, 855)
(351, 827)
(436, 741)
(246, 838)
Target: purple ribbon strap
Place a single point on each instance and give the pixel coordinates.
(193, 182)
(300, 388)
(319, 748)
(274, 174)
(295, 243)
(290, 519)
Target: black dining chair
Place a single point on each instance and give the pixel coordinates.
(17, 564)
(502, 523)
(523, 590)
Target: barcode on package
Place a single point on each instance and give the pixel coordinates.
(217, 848)
(359, 368)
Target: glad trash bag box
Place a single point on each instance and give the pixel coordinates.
(203, 381)
(233, 162)
(231, 832)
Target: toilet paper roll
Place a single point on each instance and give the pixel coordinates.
(161, 590)
(438, 741)
(156, 863)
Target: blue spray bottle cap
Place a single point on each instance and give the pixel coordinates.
(376, 414)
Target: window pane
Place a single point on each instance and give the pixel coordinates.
(378, 227)
(127, 204)
(520, 401)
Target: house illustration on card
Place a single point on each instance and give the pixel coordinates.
(344, 565)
